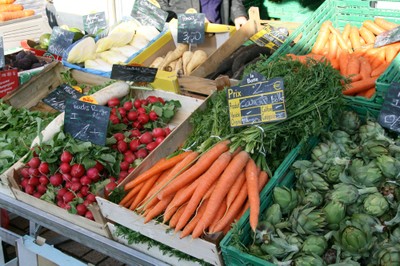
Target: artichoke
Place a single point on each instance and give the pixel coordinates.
(346, 262)
(273, 214)
(256, 250)
(374, 148)
(371, 130)
(334, 172)
(330, 256)
(363, 175)
(314, 245)
(335, 212)
(308, 260)
(395, 236)
(375, 204)
(349, 122)
(309, 179)
(279, 248)
(312, 199)
(263, 232)
(370, 222)
(307, 221)
(388, 255)
(324, 153)
(300, 166)
(348, 194)
(396, 218)
(287, 198)
(389, 166)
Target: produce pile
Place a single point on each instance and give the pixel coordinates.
(344, 204)
(352, 52)
(10, 11)
(24, 60)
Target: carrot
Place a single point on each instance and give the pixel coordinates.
(367, 35)
(391, 51)
(131, 194)
(175, 217)
(224, 183)
(353, 66)
(230, 197)
(221, 212)
(6, 1)
(342, 43)
(10, 15)
(304, 58)
(201, 165)
(373, 27)
(346, 32)
(380, 69)
(384, 24)
(147, 185)
(363, 49)
(157, 209)
(160, 166)
(343, 62)
(322, 37)
(252, 191)
(11, 7)
(365, 68)
(333, 45)
(205, 182)
(358, 86)
(334, 63)
(369, 93)
(355, 38)
(193, 222)
(378, 59)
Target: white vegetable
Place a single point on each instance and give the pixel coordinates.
(127, 50)
(98, 64)
(146, 32)
(139, 42)
(113, 57)
(85, 49)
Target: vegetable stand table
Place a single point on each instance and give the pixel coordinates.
(92, 240)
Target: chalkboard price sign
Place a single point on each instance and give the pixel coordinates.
(389, 116)
(86, 121)
(2, 58)
(60, 40)
(387, 37)
(133, 73)
(57, 98)
(256, 103)
(191, 28)
(95, 23)
(149, 14)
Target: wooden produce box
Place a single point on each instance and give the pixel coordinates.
(199, 247)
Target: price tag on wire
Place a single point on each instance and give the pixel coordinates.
(191, 28)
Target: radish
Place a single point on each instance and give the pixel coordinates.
(113, 111)
(129, 157)
(151, 146)
(99, 166)
(161, 100)
(144, 102)
(41, 189)
(124, 166)
(34, 181)
(167, 131)
(85, 180)
(76, 179)
(81, 209)
(132, 115)
(134, 144)
(122, 111)
(109, 188)
(77, 170)
(123, 174)
(24, 172)
(113, 102)
(153, 116)
(66, 157)
(65, 168)
(30, 189)
(152, 99)
(128, 105)
(158, 132)
(24, 182)
(146, 137)
(142, 153)
(137, 103)
(44, 168)
(159, 140)
(89, 215)
(87, 202)
(115, 90)
(61, 192)
(141, 110)
(67, 207)
(137, 124)
(135, 133)
(143, 118)
(92, 173)
(67, 177)
(91, 197)
(33, 172)
(119, 136)
(122, 146)
(43, 180)
(34, 162)
(37, 194)
(68, 184)
(85, 190)
(76, 186)
(130, 170)
(114, 119)
(68, 196)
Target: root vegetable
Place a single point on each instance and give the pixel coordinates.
(199, 57)
(185, 60)
(175, 54)
(157, 62)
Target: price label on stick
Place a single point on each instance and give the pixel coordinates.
(57, 98)
(148, 13)
(191, 28)
(86, 121)
(60, 40)
(133, 73)
(387, 37)
(2, 58)
(256, 103)
(389, 116)
(95, 23)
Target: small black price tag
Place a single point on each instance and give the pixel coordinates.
(389, 116)
(86, 121)
(57, 98)
(256, 103)
(270, 37)
(95, 23)
(149, 14)
(191, 28)
(2, 58)
(133, 73)
(387, 37)
(60, 40)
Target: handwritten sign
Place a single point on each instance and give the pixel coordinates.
(256, 103)
(9, 81)
(270, 37)
(387, 37)
(133, 73)
(60, 40)
(191, 28)
(57, 98)
(86, 121)
(149, 14)
(389, 116)
(95, 23)
(253, 77)
(2, 58)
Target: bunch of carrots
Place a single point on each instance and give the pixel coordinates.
(199, 193)
(9, 10)
(352, 52)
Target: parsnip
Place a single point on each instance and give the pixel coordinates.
(185, 60)
(179, 66)
(199, 57)
(178, 52)
(171, 66)
(157, 62)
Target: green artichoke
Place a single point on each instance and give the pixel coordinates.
(287, 198)
(388, 255)
(363, 175)
(389, 166)
(312, 199)
(374, 148)
(300, 166)
(395, 236)
(307, 221)
(346, 262)
(324, 153)
(375, 204)
(395, 220)
(314, 245)
(279, 248)
(273, 214)
(348, 194)
(310, 179)
(368, 221)
(334, 172)
(349, 122)
(256, 250)
(371, 130)
(308, 260)
(335, 212)
(294, 239)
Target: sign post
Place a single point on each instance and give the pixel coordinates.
(95, 24)
(148, 13)
(60, 40)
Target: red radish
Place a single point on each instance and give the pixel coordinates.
(158, 132)
(66, 157)
(87, 202)
(76, 186)
(112, 179)
(37, 194)
(25, 172)
(91, 197)
(68, 184)
(122, 111)
(144, 102)
(34, 181)
(159, 140)
(30, 189)
(67, 207)
(60, 203)
(61, 192)
(153, 116)
(123, 174)
(122, 146)
(109, 188)
(33, 172)
(161, 100)
(141, 110)
(34, 162)
(89, 215)
(67, 177)
(76, 179)
(113, 111)
(135, 133)
(92, 173)
(81, 209)
(43, 180)
(143, 118)
(68, 196)
(137, 103)
(114, 119)
(146, 137)
(77, 170)
(119, 136)
(85, 180)
(65, 168)
(167, 131)
(134, 144)
(24, 182)
(152, 99)
(44, 168)
(142, 153)
(131, 169)
(137, 124)
(125, 121)
(132, 115)
(124, 166)
(127, 105)
(41, 189)
(85, 190)
(79, 195)
(99, 166)
(120, 180)
(129, 157)
(113, 102)
(151, 146)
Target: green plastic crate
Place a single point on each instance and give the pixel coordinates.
(290, 10)
(341, 12)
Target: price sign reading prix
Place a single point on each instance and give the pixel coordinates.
(60, 40)
(191, 28)
(95, 23)
(57, 98)
(86, 121)
(256, 103)
(389, 116)
(148, 13)
(2, 58)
